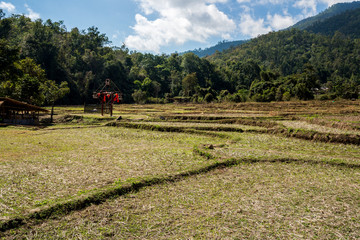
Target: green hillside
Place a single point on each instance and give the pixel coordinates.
(221, 46)
(348, 23)
(288, 51)
(328, 13)
(292, 57)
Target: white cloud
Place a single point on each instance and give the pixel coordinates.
(178, 21)
(278, 22)
(7, 7)
(166, 22)
(252, 27)
(31, 14)
(263, 2)
(332, 2)
(309, 7)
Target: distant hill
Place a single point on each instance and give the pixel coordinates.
(342, 17)
(288, 52)
(347, 23)
(328, 13)
(221, 46)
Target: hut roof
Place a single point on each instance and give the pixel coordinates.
(19, 106)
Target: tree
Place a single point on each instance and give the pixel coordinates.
(54, 92)
(28, 83)
(144, 85)
(190, 63)
(8, 70)
(41, 45)
(156, 88)
(302, 92)
(189, 83)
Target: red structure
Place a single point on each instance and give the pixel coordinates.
(108, 95)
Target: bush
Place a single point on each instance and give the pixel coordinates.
(258, 98)
(328, 96)
(139, 96)
(240, 96)
(209, 98)
(224, 96)
(286, 96)
(156, 100)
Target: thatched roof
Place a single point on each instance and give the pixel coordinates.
(12, 104)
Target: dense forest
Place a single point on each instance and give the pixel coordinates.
(293, 63)
(346, 23)
(39, 58)
(34, 52)
(332, 11)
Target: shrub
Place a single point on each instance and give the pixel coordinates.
(139, 96)
(208, 97)
(286, 96)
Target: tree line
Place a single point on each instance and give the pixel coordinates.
(41, 57)
(293, 63)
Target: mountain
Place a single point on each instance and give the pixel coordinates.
(342, 17)
(328, 13)
(292, 62)
(221, 46)
(290, 51)
(347, 23)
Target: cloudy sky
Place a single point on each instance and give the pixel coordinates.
(165, 26)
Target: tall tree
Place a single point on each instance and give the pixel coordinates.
(54, 92)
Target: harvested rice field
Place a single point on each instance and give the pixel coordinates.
(286, 170)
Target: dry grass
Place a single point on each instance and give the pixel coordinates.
(205, 125)
(316, 127)
(265, 146)
(40, 167)
(248, 109)
(249, 201)
(314, 196)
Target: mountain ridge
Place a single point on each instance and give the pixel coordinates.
(220, 46)
(312, 24)
(346, 23)
(326, 14)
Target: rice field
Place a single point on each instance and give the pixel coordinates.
(216, 171)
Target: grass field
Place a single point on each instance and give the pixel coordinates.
(213, 171)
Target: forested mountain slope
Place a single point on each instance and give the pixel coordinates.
(328, 13)
(347, 23)
(221, 46)
(328, 61)
(289, 51)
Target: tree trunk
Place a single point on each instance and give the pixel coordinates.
(52, 112)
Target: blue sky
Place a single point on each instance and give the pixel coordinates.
(166, 26)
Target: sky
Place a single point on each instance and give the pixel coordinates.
(167, 26)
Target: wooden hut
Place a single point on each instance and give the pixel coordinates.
(16, 112)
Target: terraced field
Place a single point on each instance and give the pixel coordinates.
(228, 171)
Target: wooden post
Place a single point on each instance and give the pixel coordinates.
(111, 104)
(102, 108)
